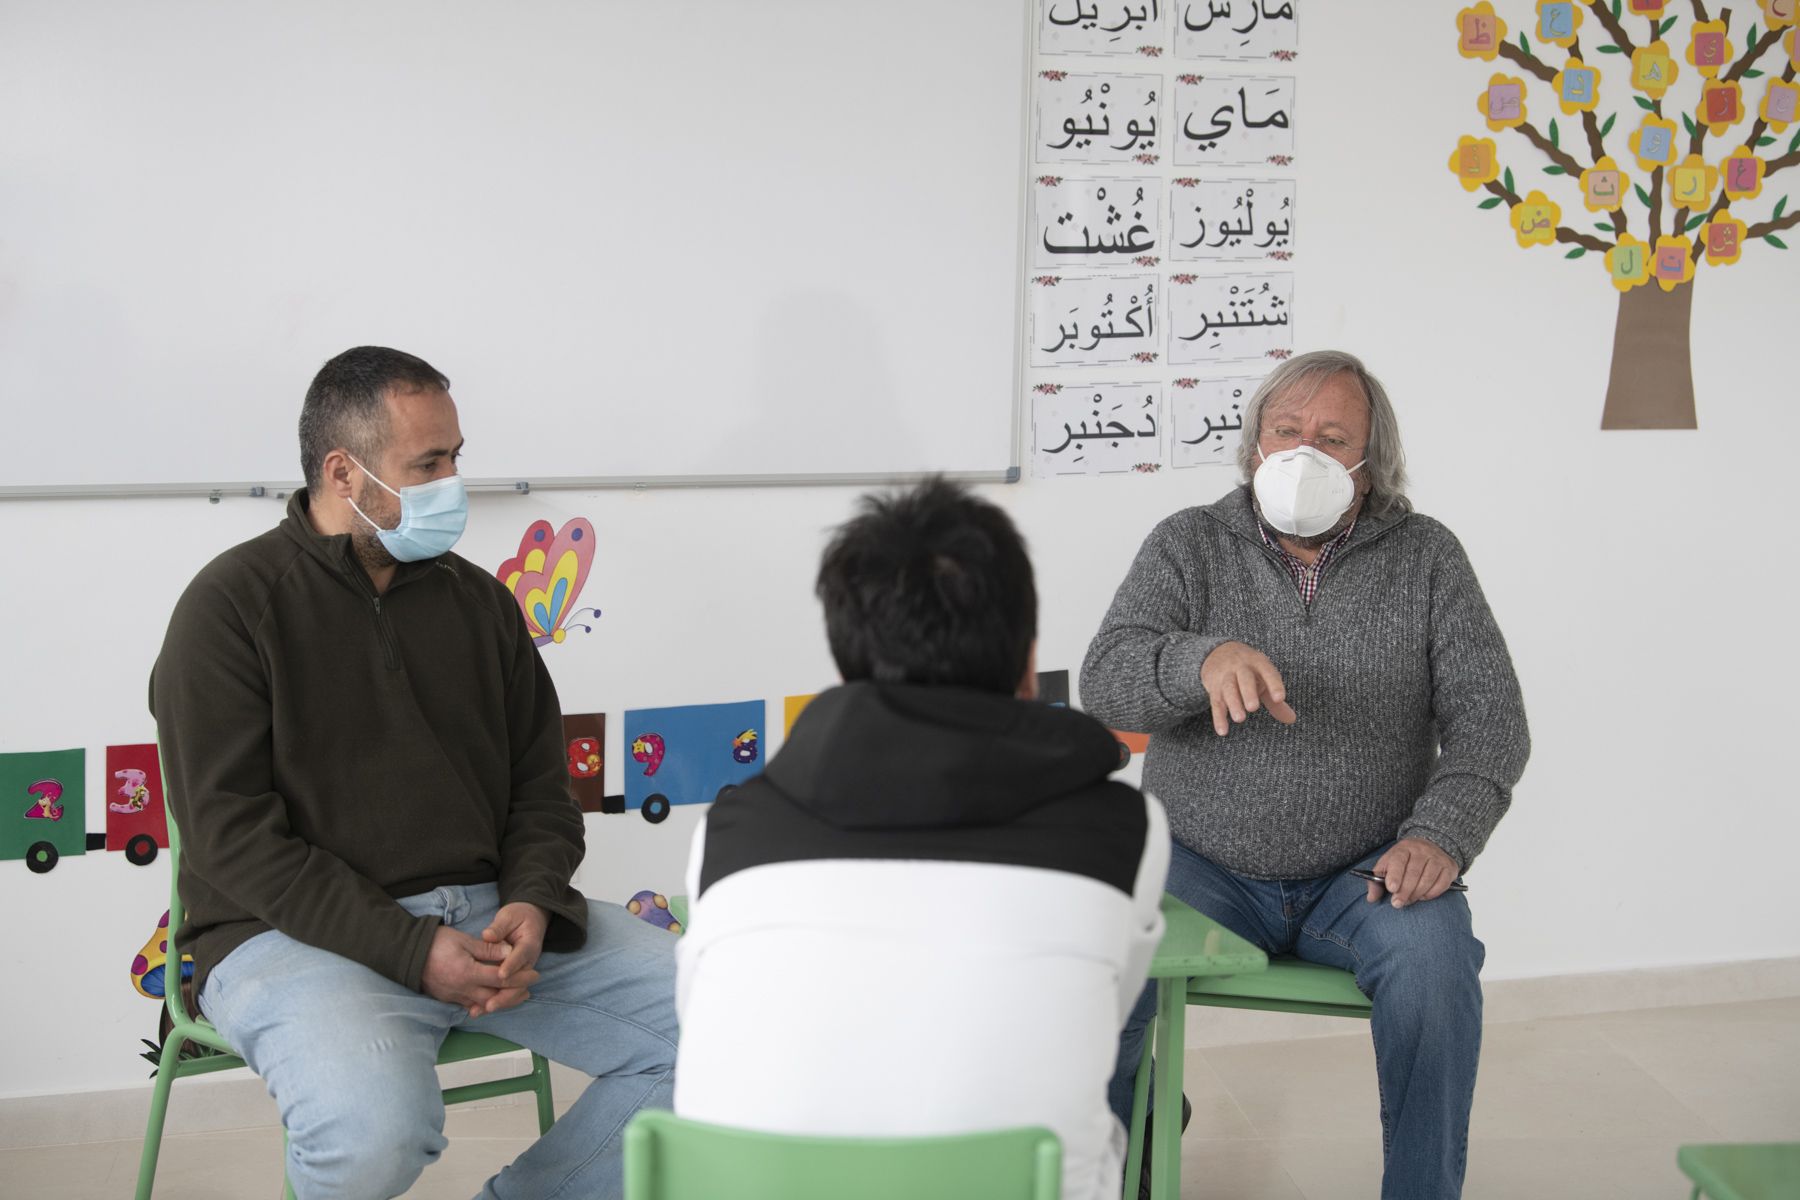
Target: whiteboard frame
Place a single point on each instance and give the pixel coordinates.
(216, 492)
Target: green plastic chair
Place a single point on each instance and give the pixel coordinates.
(668, 1158)
(1287, 985)
(194, 1029)
(1766, 1171)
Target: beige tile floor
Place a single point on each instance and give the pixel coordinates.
(1589, 1107)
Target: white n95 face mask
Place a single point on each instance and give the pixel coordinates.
(1303, 492)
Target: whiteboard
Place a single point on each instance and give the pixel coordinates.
(714, 237)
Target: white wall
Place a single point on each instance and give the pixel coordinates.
(1639, 578)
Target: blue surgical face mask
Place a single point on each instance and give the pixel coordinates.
(432, 517)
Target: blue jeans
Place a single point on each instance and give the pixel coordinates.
(349, 1055)
(1420, 966)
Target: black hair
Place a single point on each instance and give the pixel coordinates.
(932, 586)
(346, 404)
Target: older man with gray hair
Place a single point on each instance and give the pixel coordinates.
(1327, 694)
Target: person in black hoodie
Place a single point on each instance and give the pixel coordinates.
(932, 912)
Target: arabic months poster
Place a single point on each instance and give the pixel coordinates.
(1134, 107)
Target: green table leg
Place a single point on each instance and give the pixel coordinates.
(1165, 1136)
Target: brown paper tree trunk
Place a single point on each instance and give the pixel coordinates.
(1652, 381)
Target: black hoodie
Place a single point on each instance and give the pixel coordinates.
(905, 771)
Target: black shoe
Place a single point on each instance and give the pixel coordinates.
(1187, 1114)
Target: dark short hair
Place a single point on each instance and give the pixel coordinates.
(930, 586)
(346, 404)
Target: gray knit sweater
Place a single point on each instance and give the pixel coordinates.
(1410, 719)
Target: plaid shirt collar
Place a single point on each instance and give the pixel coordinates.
(1306, 575)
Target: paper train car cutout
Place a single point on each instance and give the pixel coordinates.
(689, 754)
(43, 806)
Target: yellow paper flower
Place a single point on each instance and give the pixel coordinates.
(1628, 263)
(1646, 8)
(1709, 49)
(1723, 239)
(1558, 21)
(1742, 172)
(1780, 13)
(1792, 41)
(1721, 105)
(1534, 220)
(1603, 186)
(1692, 182)
(1653, 142)
(1577, 87)
(1780, 104)
(1503, 103)
(1653, 70)
(1479, 32)
(1475, 161)
(1673, 264)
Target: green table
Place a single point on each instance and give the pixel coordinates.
(1193, 946)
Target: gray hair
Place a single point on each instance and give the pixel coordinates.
(1304, 374)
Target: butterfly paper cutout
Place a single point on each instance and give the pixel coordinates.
(546, 576)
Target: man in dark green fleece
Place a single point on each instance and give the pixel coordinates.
(364, 752)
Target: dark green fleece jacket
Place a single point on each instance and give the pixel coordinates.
(327, 750)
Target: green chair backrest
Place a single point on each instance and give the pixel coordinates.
(1743, 1171)
(172, 970)
(668, 1158)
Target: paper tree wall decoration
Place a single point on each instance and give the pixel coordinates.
(1698, 150)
